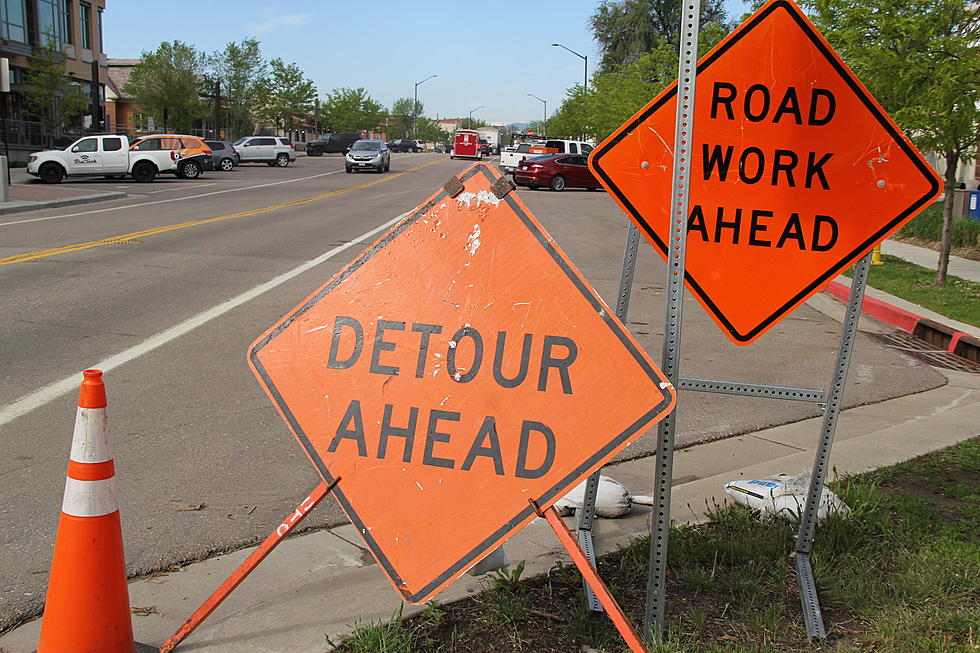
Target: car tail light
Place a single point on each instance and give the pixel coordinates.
(173, 155)
(207, 151)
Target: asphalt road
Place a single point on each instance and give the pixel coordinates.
(166, 290)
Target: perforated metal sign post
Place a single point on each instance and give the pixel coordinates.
(460, 376)
(789, 172)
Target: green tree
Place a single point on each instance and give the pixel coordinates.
(51, 96)
(351, 110)
(402, 115)
(617, 94)
(287, 100)
(241, 71)
(627, 29)
(472, 123)
(166, 83)
(428, 130)
(921, 60)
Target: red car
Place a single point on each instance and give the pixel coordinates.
(557, 171)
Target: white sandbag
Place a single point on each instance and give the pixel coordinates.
(783, 496)
(496, 559)
(612, 499)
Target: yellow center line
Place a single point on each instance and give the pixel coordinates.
(44, 253)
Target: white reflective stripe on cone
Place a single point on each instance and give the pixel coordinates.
(90, 498)
(90, 441)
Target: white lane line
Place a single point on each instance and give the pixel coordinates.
(172, 199)
(41, 396)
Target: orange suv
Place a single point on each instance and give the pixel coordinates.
(193, 156)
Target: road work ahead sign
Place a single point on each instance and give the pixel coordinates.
(455, 371)
(795, 171)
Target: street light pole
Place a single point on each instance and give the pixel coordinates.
(585, 79)
(415, 104)
(471, 115)
(544, 123)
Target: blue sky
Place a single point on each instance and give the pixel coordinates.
(488, 55)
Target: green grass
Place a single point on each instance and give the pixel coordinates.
(900, 574)
(928, 226)
(959, 299)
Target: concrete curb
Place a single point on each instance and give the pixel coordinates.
(19, 206)
(951, 339)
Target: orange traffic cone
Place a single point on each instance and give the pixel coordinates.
(87, 605)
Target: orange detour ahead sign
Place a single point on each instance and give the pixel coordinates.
(456, 371)
(795, 172)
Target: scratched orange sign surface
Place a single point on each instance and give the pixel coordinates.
(456, 371)
(795, 171)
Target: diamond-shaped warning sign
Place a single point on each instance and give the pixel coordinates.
(795, 171)
(454, 375)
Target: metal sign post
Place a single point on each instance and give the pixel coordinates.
(804, 539)
(679, 199)
(586, 514)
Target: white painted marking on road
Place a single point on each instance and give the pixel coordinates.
(172, 199)
(42, 396)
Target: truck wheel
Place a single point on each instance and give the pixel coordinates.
(51, 173)
(190, 170)
(227, 164)
(144, 172)
(349, 171)
(282, 160)
(557, 183)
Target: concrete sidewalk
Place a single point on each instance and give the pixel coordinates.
(30, 194)
(958, 266)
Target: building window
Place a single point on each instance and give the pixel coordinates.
(13, 24)
(52, 22)
(67, 30)
(101, 42)
(85, 19)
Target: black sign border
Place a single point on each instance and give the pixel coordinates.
(862, 95)
(558, 490)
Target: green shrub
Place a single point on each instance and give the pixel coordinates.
(928, 225)
(17, 163)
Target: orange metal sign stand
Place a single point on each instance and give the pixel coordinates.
(249, 565)
(795, 171)
(456, 369)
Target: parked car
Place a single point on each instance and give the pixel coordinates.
(272, 150)
(223, 155)
(557, 171)
(368, 153)
(484, 147)
(331, 143)
(419, 144)
(403, 145)
(193, 155)
(105, 155)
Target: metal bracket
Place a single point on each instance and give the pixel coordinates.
(453, 187)
(791, 393)
(501, 187)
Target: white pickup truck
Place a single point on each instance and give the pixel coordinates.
(104, 156)
(509, 158)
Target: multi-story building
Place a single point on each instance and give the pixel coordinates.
(75, 27)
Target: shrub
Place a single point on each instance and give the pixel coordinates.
(928, 225)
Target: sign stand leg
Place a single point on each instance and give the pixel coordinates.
(586, 513)
(676, 260)
(249, 565)
(588, 572)
(808, 524)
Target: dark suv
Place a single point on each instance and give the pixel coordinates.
(331, 143)
(403, 145)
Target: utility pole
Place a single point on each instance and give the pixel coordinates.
(415, 106)
(217, 108)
